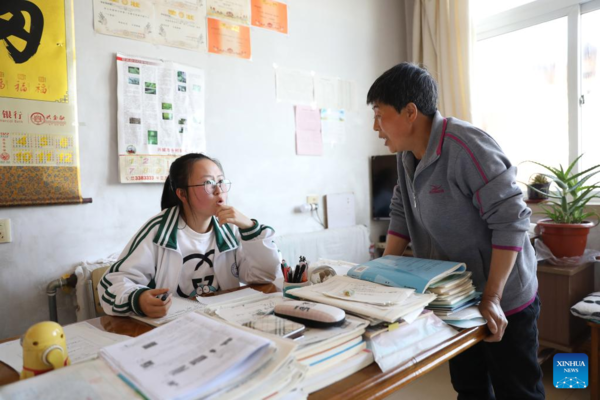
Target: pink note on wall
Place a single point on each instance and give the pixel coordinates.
(309, 141)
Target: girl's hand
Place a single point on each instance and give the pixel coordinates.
(153, 307)
(229, 215)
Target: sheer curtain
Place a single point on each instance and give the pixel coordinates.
(441, 38)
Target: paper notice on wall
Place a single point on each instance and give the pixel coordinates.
(333, 126)
(237, 11)
(270, 15)
(229, 39)
(294, 86)
(334, 93)
(160, 116)
(171, 23)
(308, 131)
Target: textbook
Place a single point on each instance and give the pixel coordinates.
(406, 272)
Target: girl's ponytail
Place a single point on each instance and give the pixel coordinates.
(169, 197)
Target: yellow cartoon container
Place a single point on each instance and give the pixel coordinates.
(44, 349)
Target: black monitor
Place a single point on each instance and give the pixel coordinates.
(384, 177)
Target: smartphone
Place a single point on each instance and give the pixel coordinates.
(277, 326)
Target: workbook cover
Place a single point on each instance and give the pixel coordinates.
(406, 272)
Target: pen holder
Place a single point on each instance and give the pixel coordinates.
(293, 285)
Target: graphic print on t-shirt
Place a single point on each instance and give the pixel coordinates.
(197, 275)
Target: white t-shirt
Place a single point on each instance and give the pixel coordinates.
(198, 250)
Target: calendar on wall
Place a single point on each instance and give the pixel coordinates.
(39, 157)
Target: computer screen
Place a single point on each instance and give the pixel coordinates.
(384, 177)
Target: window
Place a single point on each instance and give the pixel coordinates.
(590, 89)
(536, 82)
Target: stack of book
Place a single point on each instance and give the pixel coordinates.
(332, 354)
(454, 293)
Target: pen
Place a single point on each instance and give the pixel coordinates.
(163, 296)
(302, 276)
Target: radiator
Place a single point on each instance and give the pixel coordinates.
(84, 291)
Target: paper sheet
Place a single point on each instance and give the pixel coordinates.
(294, 86)
(179, 307)
(333, 126)
(334, 93)
(84, 341)
(92, 380)
(237, 11)
(230, 298)
(308, 132)
(270, 15)
(250, 311)
(363, 292)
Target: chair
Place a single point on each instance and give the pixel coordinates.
(97, 274)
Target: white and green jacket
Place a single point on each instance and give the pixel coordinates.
(152, 259)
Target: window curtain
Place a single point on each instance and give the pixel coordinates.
(441, 38)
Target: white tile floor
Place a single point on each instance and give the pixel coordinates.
(436, 386)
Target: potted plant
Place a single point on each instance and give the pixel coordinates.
(538, 188)
(566, 227)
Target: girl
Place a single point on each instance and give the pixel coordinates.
(197, 244)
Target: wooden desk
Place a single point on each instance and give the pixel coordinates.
(369, 383)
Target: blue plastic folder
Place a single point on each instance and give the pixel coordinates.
(406, 272)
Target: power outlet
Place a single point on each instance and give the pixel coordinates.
(5, 236)
(312, 199)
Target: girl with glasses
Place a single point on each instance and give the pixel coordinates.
(198, 244)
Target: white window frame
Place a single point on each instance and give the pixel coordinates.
(536, 13)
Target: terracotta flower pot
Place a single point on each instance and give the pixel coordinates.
(565, 240)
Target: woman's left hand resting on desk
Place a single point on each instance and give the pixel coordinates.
(152, 306)
(229, 215)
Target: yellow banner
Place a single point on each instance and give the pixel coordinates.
(33, 58)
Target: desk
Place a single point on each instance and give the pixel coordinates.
(369, 383)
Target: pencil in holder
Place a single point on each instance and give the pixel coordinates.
(293, 285)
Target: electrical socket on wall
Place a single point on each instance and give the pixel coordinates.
(5, 236)
(312, 199)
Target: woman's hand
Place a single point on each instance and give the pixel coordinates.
(152, 306)
(229, 215)
(496, 320)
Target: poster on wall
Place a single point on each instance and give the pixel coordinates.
(160, 116)
(172, 23)
(269, 14)
(229, 39)
(39, 158)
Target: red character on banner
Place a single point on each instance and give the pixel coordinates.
(6, 114)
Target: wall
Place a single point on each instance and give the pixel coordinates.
(247, 130)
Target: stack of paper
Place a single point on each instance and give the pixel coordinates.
(366, 299)
(192, 357)
(401, 345)
(454, 293)
(465, 318)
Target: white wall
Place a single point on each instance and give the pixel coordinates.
(247, 130)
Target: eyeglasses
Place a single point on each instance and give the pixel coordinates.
(210, 186)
